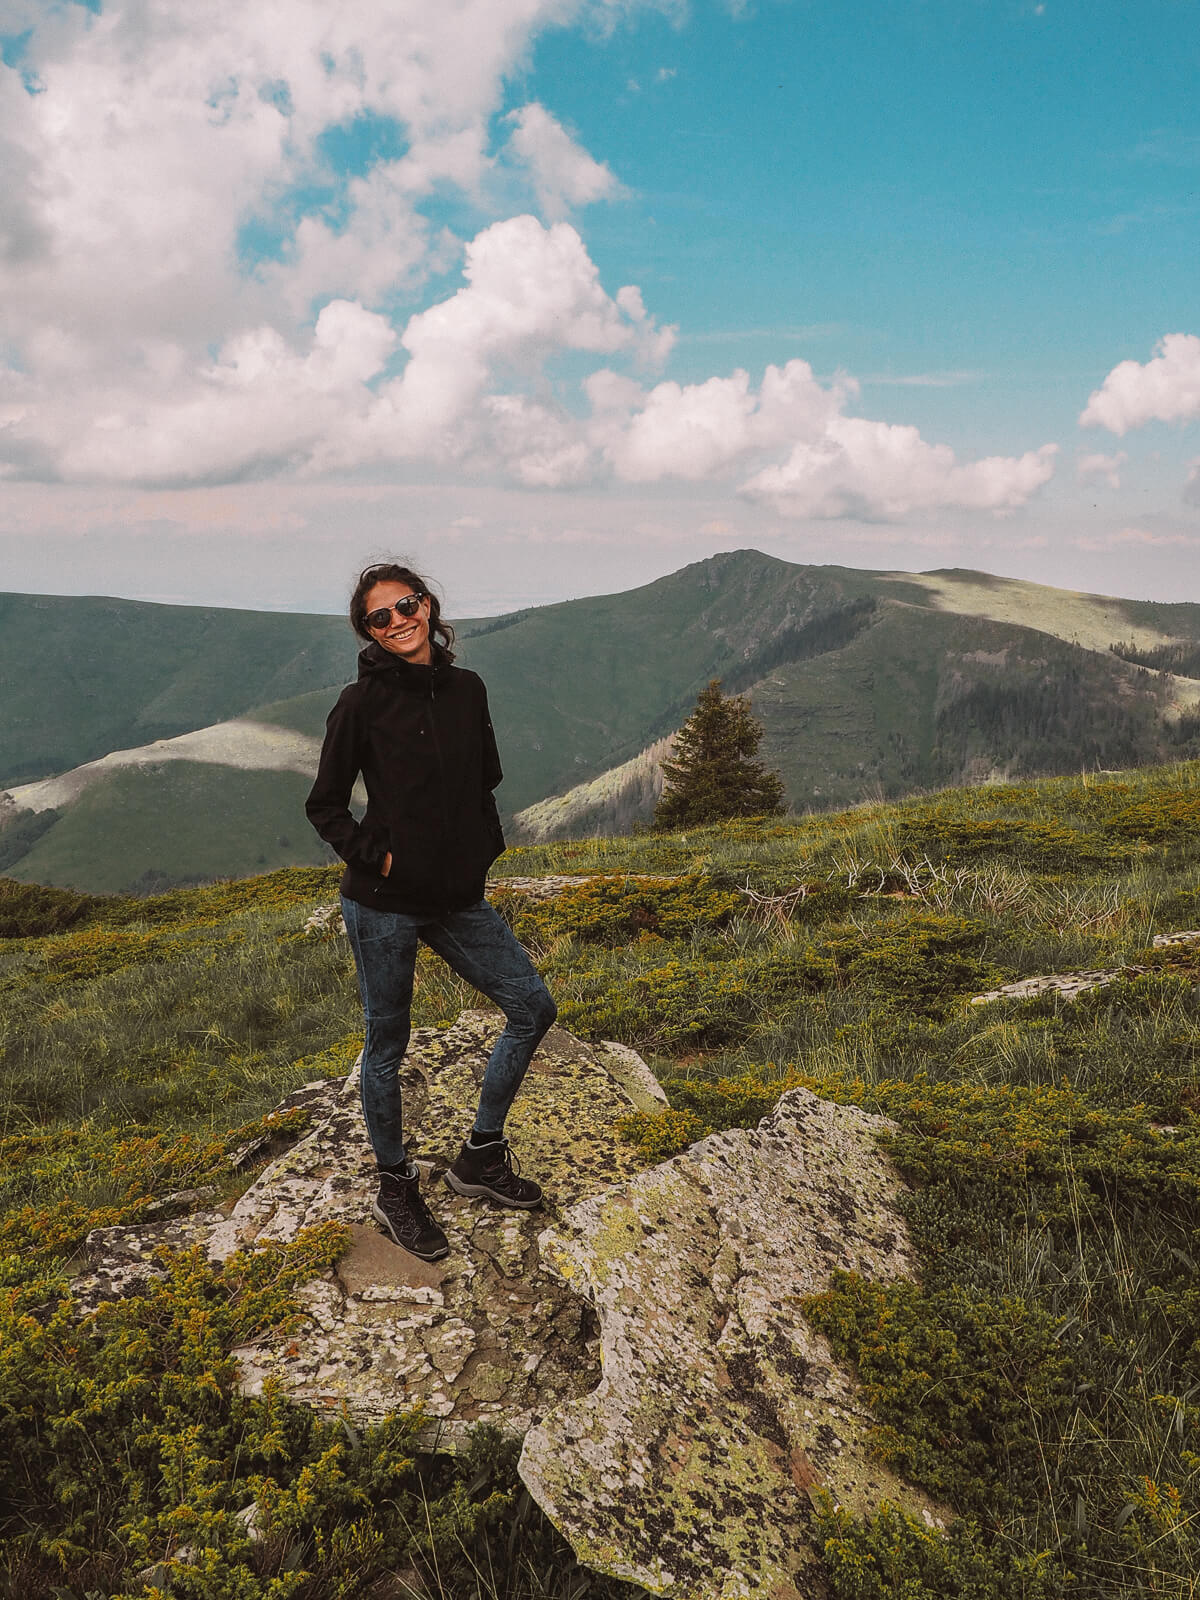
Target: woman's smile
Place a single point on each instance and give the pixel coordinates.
(406, 637)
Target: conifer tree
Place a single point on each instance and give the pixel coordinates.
(715, 772)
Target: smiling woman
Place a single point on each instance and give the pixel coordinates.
(417, 728)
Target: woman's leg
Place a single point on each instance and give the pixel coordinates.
(482, 948)
(385, 951)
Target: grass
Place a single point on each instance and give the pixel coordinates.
(1044, 1375)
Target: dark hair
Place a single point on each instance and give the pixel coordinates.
(392, 572)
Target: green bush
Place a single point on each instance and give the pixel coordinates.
(1044, 845)
(963, 1388)
(893, 1557)
(611, 911)
(1164, 817)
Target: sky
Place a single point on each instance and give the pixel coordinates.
(552, 297)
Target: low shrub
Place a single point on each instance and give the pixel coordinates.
(963, 1388)
(613, 910)
(30, 910)
(1166, 817)
(131, 1465)
(58, 1186)
(1047, 846)
(893, 1557)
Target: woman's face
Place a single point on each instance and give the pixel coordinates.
(407, 637)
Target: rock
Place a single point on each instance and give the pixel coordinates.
(317, 1098)
(689, 1468)
(1070, 985)
(325, 922)
(181, 1203)
(126, 1260)
(635, 1077)
(642, 1333)
(488, 1334)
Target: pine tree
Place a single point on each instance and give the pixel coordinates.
(715, 773)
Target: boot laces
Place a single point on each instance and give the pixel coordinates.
(407, 1210)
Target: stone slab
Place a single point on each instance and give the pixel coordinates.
(690, 1467)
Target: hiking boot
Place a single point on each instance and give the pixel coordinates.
(405, 1216)
(490, 1170)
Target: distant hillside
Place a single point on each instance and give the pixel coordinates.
(868, 684)
(80, 676)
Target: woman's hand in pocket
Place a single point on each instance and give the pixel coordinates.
(386, 868)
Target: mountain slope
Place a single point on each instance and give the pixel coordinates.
(147, 828)
(866, 682)
(82, 675)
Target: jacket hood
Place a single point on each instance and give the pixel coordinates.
(375, 661)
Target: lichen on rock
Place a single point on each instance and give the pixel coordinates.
(690, 1468)
(488, 1334)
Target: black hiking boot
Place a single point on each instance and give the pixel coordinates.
(405, 1216)
(490, 1170)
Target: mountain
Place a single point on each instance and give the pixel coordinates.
(182, 736)
(83, 675)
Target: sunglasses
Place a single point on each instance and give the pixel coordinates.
(407, 607)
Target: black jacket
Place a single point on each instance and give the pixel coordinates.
(423, 741)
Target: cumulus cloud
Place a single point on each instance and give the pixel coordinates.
(1164, 389)
(531, 293)
(196, 288)
(879, 470)
(1101, 469)
(697, 430)
(564, 176)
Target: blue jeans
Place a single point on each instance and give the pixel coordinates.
(481, 947)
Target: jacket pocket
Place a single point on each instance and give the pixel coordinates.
(418, 871)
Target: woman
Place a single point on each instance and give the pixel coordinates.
(417, 728)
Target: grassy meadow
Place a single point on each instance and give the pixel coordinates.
(1043, 1379)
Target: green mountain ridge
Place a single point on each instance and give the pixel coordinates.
(126, 672)
(867, 683)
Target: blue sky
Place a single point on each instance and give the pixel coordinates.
(358, 284)
(1000, 189)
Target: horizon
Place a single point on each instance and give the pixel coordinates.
(463, 615)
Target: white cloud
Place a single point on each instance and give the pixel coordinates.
(1101, 469)
(260, 407)
(1165, 389)
(564, 175)
(697, 430)
(531, 292)
(1191, 489)
(150, 345)
(878, 470)
(162, 130)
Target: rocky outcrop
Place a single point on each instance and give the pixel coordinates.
(488, 1334)
(643, 1333)
(690, 1467)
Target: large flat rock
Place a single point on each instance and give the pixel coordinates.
(488, 1334)
(690, 1467)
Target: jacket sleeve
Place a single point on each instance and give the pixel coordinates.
(328, 804)
(493, 773)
